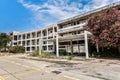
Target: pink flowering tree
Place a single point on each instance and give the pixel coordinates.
(105, 26)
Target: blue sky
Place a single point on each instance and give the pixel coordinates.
(26, 15)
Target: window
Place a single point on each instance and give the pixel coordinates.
(79, 32)
(15, 37)
(74, 23)
(74, 33)
(78, 22)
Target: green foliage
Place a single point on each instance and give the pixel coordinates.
(106, 54)
(4, 39)
(70, 57)
(35, 53)
(47, 55)
(43, 54)
(17, 49)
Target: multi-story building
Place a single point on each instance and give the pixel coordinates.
(67, 34)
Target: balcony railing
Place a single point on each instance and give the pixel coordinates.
(73, 27)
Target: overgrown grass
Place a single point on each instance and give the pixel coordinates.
(47, 55)
(70, 57)
(35, 53)
(17, 49)
(43, 54)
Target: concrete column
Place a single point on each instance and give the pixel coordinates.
(71, 45)
(25, 43)
(53, 31)
(30, 42)
(86, 44)
(21, 40)
(40, 44)
(36, 40)
(97, 47)
(57, 45)
(78, 46)
(47, 38)
(40, 47)
(18, 40)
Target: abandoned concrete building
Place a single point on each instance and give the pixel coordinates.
(65, 35)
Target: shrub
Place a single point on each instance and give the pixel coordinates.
(47, 55)
(106, 54)
(17, 49)
(35, 53)
(70, 57)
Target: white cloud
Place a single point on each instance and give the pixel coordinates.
(52, 11)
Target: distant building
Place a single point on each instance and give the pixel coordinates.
(67, 35)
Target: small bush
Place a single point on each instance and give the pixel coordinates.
(17, 49)
(70, 57)
(106, 54)
(47, 55)
(35, 53)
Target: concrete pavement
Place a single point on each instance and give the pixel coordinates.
(18, 70)
(22, 67)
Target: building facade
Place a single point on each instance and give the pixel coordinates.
(65, 35)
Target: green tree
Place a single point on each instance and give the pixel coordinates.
(4, 40)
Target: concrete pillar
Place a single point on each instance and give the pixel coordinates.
(71, 46)
(40, 47)
(97, 47)
(40, 44)
(53, 31)
(18, 40)
(36, 40)
(78, 45)
(86, 45)
(47, 38)
(25, 43)
(21, 40)
(30, 42)
(57, 45)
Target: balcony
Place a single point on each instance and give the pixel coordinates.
(79, 26)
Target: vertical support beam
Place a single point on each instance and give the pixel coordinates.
(97, 47)
(78, 46)
(53, 32)
(21, 39)
(47, 38)
(57, 45)
(25, 42)
(36, 40)
(40, 43)
(30, 42)
(71, 45)
(17, 40)
(40, 47)
(86, 44)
